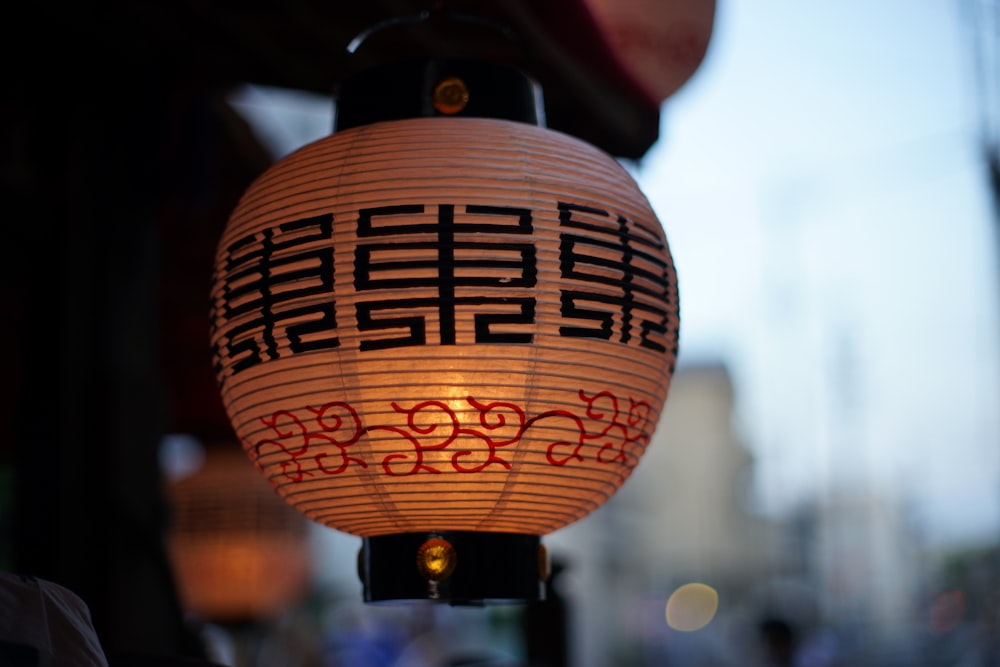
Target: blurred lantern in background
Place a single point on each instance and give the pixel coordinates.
(238, 552)
(444, 328)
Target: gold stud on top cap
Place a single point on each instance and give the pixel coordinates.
(436, 559)
(450, 95)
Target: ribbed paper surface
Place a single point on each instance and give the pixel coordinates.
(445, 324)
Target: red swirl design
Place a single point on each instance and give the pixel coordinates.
(328, 432)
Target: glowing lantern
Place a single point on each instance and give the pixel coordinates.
(447, 335)
(238, 552)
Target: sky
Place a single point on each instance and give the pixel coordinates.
(821, 185)
(822, 188)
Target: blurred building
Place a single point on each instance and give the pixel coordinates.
(691, 491)
(864, 557)
(846, 563)
(681, 518)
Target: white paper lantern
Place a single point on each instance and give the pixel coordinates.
(445, 324)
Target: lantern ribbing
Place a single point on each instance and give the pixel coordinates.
(445, 324)
(407, 311)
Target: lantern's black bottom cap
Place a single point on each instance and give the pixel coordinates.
(488, 567)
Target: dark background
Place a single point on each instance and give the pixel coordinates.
(120, 164)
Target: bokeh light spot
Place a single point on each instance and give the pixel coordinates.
(691, 607)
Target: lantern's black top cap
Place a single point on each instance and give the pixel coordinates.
(394, 69)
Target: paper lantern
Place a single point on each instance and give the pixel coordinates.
(238, 552)
(459, 329)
